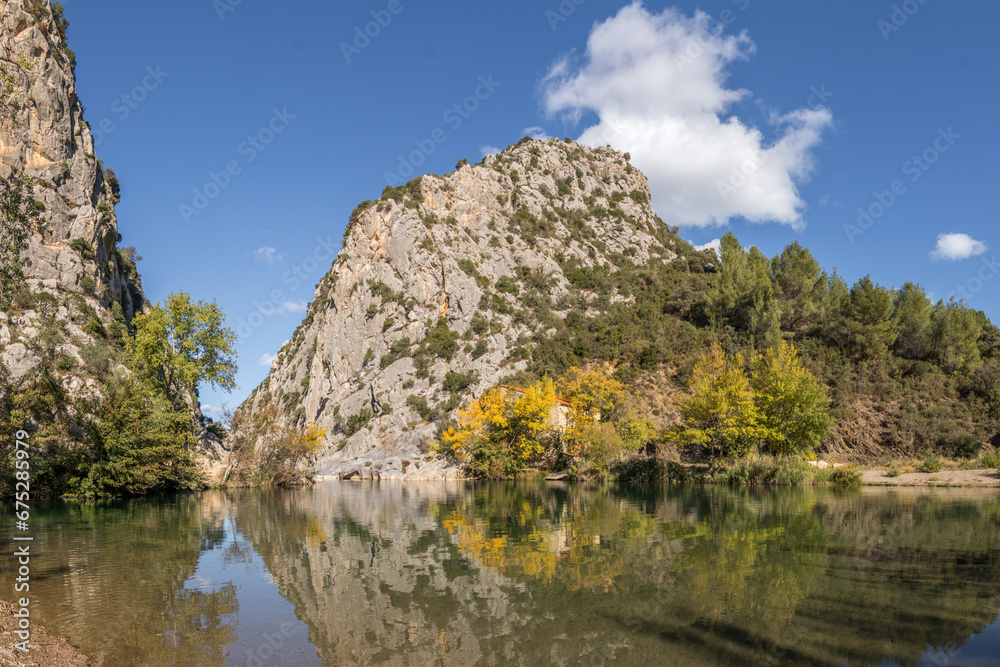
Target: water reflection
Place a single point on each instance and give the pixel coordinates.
(112, 576)
(460, 574)
(489, 574)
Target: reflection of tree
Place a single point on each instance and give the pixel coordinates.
(125, 564)
(492, 573)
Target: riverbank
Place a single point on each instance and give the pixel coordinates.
(45, 650)
(881, 477)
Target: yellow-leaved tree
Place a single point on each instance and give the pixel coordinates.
(794, 408)
(720, 414)
(593, 396)
(500, 432)
(602, 422)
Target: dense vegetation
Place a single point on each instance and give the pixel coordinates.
(134, 426)
(137, 433)
(929, 372)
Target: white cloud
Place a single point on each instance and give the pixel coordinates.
(268, 255)
(536, 132)
(657, 85)
(957, 246)
(211, 409)
(488, 150)
(292, 307)
(267, 359)
(714, 244)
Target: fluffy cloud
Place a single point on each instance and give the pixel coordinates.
(714, 244)
(211, 409)
(267, 359)
(488, 150)
(535, 132)
(957, 246)
(657, 85)
(268, 255)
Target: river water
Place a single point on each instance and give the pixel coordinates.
(461, 573)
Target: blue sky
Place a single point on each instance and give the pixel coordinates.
(244, 132)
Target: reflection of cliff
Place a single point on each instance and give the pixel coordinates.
(112, 576)
(498, 574)
(412, 574)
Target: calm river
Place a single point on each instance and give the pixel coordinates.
(459, 573)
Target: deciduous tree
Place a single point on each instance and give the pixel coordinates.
(720, 415)
(794, 408)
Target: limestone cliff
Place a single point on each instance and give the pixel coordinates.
(438, 288)
(74, 269)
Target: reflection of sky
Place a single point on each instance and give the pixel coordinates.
(982, 649)
(263, 620)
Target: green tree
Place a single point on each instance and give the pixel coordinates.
(954, 335)
(181, 344)
(911, 310)
(743, 291)
(869, 327)
(138, 443)
(720, 414)
(794, 408)
(18, 211)
(800, 287)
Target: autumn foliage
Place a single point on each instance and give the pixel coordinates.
(779, 407)
(585, 415)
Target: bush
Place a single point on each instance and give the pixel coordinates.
(845, 477)
(66, 363)
(357, 422)
(643, 470)
(85, 249)
(95, 328)
(966, 447)
(459, 382)
(931, 464)
(97, 358)
(441, 341)
(991, 460)
(508, 285)
(600, 445)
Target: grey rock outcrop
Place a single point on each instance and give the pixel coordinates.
(428, 300)
(43, 135)
(80, 284)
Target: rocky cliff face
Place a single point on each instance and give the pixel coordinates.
(75, 272)
(438, 288)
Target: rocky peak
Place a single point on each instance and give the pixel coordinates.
(440, 285)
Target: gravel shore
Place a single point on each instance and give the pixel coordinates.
(44, 650)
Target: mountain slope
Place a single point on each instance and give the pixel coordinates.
(440, 285)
